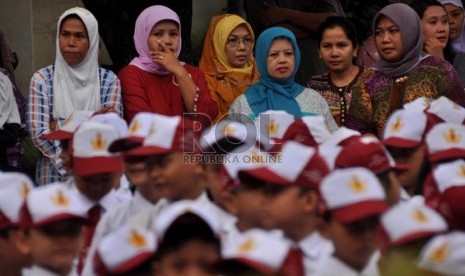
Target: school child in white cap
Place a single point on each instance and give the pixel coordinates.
(146, 193)
(13, 189)
(291, 201)
(308, 130)
(353, 201)
(407, 227)
(188, 240)
(52, 219)
(128, 250)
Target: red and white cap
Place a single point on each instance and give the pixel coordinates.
(308, 130)
(113, 119)
(341, 137)
(329, 153)
(297, 165)
(405, 129)
(125, 249)
(90, 149)
(13, 190)
(65, 132)
(411, 221)
(370, 154)
(446, 141)
(444, 254)
(51, 203)
(450, 184)
(175, 210)
(443, 109)
(256, 249)
(352, 194)
(419, 104)
(169, 134)
(142, 125)
(274, 123)
(227, 135)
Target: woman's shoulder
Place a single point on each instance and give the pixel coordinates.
(310, 93)
(433, 62)
(107, 73)
(45, 72)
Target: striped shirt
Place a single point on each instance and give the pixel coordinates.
(39, 112)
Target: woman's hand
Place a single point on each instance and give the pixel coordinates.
(434, 47)
(165, 57)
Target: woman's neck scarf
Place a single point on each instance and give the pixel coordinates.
(77, 87)
(459, 43)
(225, 82)
(269, 93)
(144, 25)
(409, 24)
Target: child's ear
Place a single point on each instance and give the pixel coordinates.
(23, 243)
(311, 200)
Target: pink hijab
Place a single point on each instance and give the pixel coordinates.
(144, 25)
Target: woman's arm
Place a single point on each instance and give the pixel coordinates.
(110, 95)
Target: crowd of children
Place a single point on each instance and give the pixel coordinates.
(282, 196)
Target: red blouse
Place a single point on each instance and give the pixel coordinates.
(144, 91)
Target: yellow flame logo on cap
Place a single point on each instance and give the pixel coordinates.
(137, 239)
(461, 171)
(397, 125)
(24, 190)
(356, 185)
(135, 127)
(419, 216)
(246, 246)
(439, 254)
(452, 137)
(272, 127)
(152, 129)
(60, 199)
(228, 130)
(98, 143)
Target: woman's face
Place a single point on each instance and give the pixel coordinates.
(73, 41)
(435, 25)
(281, 59)
(337, 50)
(238, 47)
(455, 15)
(388, 39)
(165, 32)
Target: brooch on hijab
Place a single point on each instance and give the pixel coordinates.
(400, 80)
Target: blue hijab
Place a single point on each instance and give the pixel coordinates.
(269, 93)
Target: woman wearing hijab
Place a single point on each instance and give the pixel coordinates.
(278, 58)
(227, 60)
(403, 73)
(454, 9)
(156, 81)
(74, 82)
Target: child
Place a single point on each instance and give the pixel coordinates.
(353, 202)
(291, 200)
(408, 227)
(13, 189)
(188, 240)
(126, 251)
(52, 218)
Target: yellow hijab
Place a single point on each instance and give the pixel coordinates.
(225, 82)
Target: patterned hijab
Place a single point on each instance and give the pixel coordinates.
(409, 24)
(77, 87)
(144, 25)
(459, 43)
(225, 82)
(269, 93)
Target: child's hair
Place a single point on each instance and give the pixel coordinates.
(338, 21)
(186, 228)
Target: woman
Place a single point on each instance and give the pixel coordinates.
(227, 60)
(402, 74)
(454, 9)
(435, 26)
(338, 47)
(74, 82)
(278, 59)
(156, 81)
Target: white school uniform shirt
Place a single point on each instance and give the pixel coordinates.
(39, 271)
(113, 220)
(316, 250)
(335, 267)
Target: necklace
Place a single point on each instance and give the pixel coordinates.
(342, 92)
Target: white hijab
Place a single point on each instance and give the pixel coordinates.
(77, 87)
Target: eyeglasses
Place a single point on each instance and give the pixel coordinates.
(234, 41)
